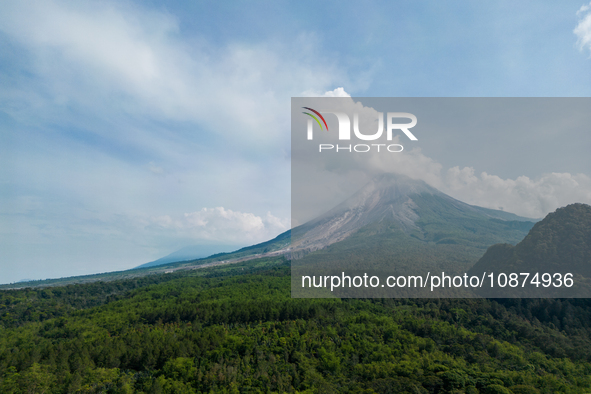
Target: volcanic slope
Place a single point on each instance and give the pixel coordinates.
(396, 223)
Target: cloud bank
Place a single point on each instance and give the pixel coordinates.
(224, 225)
(116, 59)
(533, 198)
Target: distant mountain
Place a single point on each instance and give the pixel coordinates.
(190, 253)
(560, 243)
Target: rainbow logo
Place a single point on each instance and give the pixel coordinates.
(315, 118)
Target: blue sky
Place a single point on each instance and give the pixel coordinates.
(131, 129)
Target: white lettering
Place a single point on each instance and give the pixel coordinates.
(395, 151)
(366, 147)
(401, 126)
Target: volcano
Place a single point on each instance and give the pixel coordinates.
(397, 226)
(395, 208)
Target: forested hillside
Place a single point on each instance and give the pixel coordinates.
(236, 330)
(557, 245)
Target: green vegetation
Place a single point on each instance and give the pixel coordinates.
(560, 243)
(235, 329)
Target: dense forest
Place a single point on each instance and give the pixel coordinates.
(236, 329)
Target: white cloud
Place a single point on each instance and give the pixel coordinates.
(583, 29)
(113, 59)
(225, 225)
(338, 92)
(532, 198)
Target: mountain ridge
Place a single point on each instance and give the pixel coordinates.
(191, 253)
